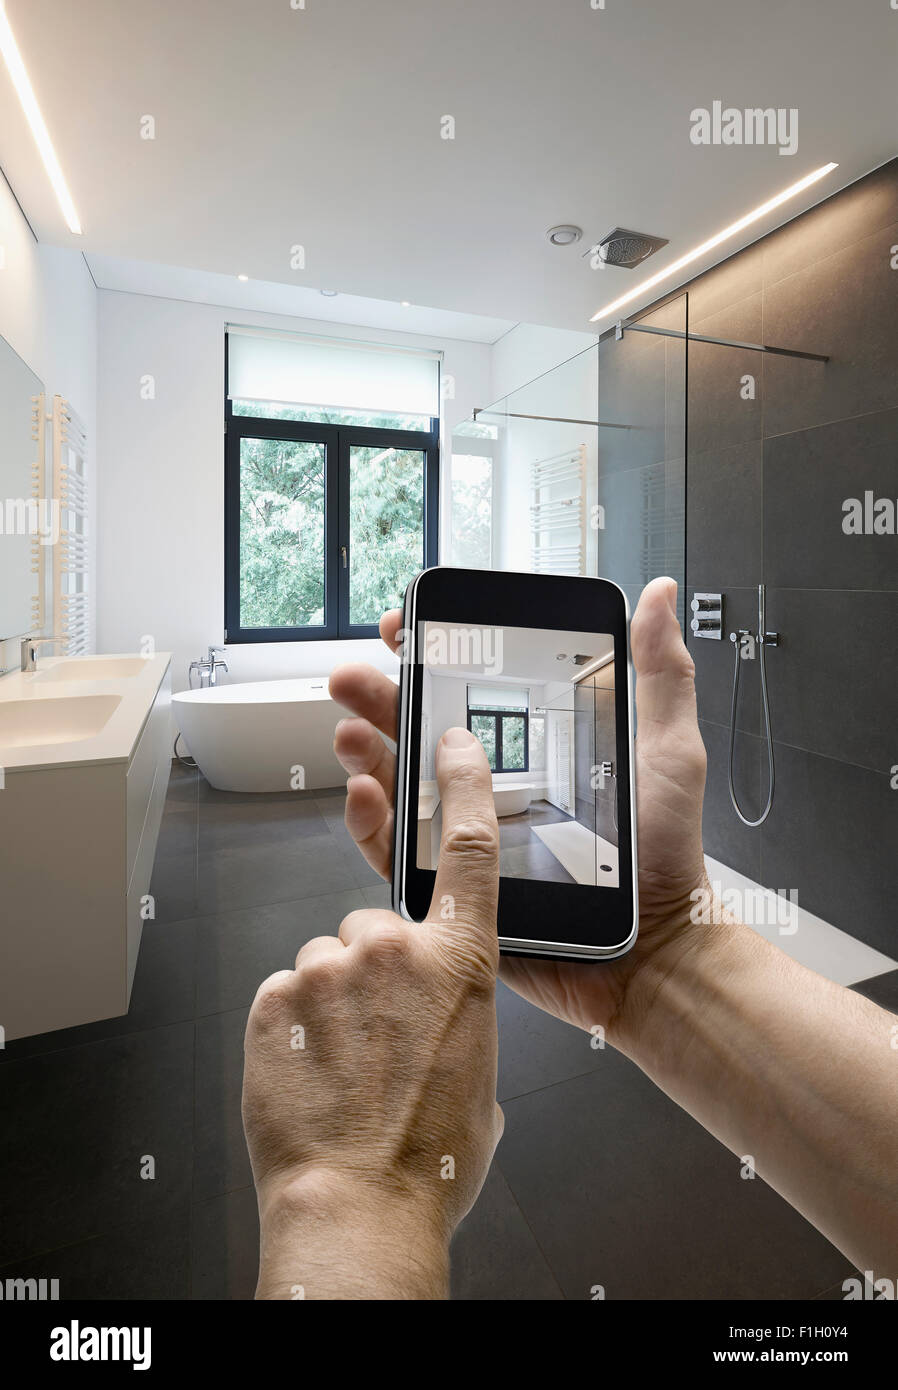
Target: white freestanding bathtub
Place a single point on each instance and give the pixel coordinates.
(263, 736)
(511, 798)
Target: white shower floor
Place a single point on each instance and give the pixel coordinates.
(580, 852)
(806, 938)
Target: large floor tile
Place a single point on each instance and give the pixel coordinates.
(239, 823)
(221, 1160)
(623, 1189)
(279, 872)
(494, 1254)
(225, 1246)
(537, 1050)
(147, 1259)
(174, 886)
(237, 950)
(85, 1121)
(163, 993)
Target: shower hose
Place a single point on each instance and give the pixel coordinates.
(762, 654)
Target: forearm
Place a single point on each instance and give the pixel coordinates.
(326, 1239)
(787, 1069)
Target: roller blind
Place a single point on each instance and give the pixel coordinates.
(502, 697)
(294, 368)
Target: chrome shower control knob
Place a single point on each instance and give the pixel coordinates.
(700, 605)
(705, 624)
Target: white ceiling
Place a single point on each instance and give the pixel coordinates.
(321, 127)
(526, 653)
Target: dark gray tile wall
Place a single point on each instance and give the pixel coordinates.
(768, 478)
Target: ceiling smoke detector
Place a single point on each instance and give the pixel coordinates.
(626, 249)
(564, 235)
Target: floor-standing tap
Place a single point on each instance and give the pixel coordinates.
(207, 668)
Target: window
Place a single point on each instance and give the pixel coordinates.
(499, 718)
(327, 517)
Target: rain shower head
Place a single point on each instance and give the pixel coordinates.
(626, 249)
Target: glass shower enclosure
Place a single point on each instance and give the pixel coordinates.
(582, 471)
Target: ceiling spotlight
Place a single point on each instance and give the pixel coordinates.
(242, 277)
(405, 303)
(564, 235)
(562, 656)
(329, 294)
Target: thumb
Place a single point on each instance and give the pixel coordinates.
(665, 673)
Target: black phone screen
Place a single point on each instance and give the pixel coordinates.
(537, 668)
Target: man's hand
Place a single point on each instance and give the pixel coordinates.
(670, 778)
(370, 1075)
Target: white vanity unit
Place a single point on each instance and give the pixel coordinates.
(85, 757)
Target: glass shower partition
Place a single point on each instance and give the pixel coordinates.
(582, 470)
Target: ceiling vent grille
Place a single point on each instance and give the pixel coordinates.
(626, 249)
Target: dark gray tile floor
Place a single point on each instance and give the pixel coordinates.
(523, 854)
(599, 1179)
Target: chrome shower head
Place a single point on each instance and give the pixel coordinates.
(626, 249)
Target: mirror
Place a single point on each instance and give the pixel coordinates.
(21, 524)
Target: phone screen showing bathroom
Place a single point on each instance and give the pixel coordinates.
(541, 702)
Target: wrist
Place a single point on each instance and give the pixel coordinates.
(698, 948)
(330, 1235)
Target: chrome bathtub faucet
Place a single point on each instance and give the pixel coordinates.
(207, 667)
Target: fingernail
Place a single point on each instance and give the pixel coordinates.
(458, 738)
(672, 597)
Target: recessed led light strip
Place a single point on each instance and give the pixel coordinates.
(709, 245)
(22, 83)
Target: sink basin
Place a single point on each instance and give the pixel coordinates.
(26, 723)
(99, 669)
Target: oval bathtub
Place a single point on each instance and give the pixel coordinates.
(256, 737)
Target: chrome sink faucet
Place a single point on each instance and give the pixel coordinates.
(28, 651)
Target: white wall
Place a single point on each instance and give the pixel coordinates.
(48, 315)
(527, 351)
(161, 554)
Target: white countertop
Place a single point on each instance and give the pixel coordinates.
(116, 740)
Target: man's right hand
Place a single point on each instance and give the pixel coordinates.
(670, 778)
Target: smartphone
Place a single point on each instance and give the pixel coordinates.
(538, 668)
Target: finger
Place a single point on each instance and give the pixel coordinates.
(369, 820)
(665, 674)
(360, 748)
(317, 948)
(364, 919)
(467, 882)
(368, 693)
(390, 627)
